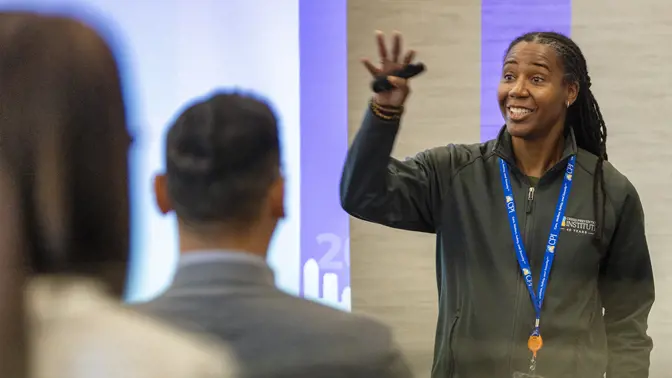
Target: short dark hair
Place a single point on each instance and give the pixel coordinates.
(584, 116)
(222, 155)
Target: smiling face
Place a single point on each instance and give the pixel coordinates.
(533, 95)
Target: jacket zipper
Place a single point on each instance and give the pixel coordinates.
(529, 207)
(451, 360)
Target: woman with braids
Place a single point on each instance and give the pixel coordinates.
(543, 267)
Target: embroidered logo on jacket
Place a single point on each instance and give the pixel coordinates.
(578, 226)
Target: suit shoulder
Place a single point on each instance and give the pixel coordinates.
(324, 320)
(354, 342)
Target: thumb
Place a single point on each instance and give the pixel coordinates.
(398, 82)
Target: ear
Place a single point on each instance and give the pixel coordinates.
(277, 198)
(572, 92)
(161, 194)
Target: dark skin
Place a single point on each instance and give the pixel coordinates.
(532, 78)
(390, 61)
(533, 96)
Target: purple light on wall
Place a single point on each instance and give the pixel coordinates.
(501, 22)
(325, 270)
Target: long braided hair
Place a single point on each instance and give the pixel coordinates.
(584, 116)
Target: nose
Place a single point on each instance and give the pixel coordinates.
(519, 89)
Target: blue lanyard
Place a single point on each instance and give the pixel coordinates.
(521, 255)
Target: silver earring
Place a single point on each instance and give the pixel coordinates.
(568, 103)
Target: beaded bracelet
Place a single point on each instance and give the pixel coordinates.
(386, 113)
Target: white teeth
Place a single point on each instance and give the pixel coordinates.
(519, 110)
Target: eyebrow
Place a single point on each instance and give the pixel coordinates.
(538, 64)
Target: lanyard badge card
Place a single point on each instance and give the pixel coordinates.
(535, 342)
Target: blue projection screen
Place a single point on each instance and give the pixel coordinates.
(173, 51)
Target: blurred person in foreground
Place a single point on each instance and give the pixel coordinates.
(223, 180)
(65, 216)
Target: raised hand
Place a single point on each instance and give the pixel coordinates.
(390, 62)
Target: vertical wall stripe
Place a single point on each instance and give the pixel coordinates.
(325, 270)
(501, 22)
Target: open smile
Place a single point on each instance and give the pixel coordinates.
(517, 113)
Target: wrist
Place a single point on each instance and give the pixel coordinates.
(384, 100)
(386, 112)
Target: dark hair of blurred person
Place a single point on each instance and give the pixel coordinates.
(63, 142)
(223, 174)
(63, 145)
(12, 327)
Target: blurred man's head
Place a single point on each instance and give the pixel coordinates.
(223, 175)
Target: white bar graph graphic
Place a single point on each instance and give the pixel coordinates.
(330, 287)
(346, 303)
(330, 294)
(311, 280)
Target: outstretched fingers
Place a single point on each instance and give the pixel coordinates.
(396, 47)
(373, 70)
(408, 58)
(382, 48)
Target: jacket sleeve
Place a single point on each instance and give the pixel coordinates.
(627, 291)
(384, 190)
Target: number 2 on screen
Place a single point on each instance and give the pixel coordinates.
(336, 245)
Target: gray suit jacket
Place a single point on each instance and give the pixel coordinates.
(274, 334)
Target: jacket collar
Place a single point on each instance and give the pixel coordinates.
(221, 269)
(504, 148)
